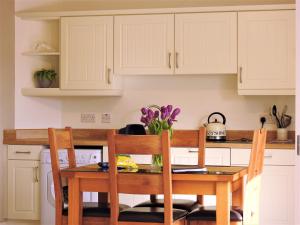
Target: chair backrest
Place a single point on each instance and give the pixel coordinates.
(255, 169)
(134, 183)
(60, 139)
(191, 139)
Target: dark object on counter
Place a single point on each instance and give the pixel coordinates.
(216, 131)
(134, 129)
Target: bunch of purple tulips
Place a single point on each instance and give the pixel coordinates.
(158, 118)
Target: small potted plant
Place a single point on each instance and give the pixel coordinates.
(44, 78)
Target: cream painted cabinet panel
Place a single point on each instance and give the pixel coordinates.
(206, 43)
(144, 44)
(266, 52)
(23, 189)
(86, 52)
(278, 184)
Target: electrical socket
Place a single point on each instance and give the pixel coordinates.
(106, 118)
(88, 118)
(268, 117)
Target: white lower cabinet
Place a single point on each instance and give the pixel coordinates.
(277, 190)
(23, 182)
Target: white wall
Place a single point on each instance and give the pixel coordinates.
(6, 85)
(197, 96)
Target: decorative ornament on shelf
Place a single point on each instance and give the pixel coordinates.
(44, 78)
(157, 119)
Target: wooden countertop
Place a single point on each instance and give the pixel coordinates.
(97, 137)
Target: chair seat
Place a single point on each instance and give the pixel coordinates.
(208, 213)
(188, 205)
(149, 214)
(92, 209)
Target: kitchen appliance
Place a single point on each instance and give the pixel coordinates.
(84, 155)
(215, 130)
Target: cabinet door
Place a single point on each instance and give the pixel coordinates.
(86, 52)
(206, 43)
(277, 196)
(266, 52)
(277, 187)
(23, 190)
(213, 156)
(144, 44)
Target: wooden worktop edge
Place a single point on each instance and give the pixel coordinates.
(97, 137)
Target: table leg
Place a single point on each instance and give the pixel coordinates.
(74, 202)
(223, 203)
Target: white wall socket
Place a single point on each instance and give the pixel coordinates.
(106, 118)
(88, 118)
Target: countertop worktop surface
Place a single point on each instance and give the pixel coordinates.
(97, 137)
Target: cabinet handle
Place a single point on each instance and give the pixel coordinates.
(193, 150)
(36, 179)
(170, 54)
(27, 152)
(298, 144)
(176, 56)
(268, 156)
(108, 75)
(241, 78)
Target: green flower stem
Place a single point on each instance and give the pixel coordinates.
(157, 128)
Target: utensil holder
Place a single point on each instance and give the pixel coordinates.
(282, 134)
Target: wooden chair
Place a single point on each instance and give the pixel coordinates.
(93, 213)
(142, 183)
(185, 139)
(250, 214)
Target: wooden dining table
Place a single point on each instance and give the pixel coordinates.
(221, 181)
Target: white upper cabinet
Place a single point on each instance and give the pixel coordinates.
(86, 52)
(144, 44)
(206, 43)
(266, 55)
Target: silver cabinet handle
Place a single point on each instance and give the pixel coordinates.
(268, 156)
(170, 54)
(241, 78)
(108, 70)
(176, 57)
(19, 152)
(193, 150)
(36, 178)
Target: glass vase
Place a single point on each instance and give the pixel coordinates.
(157, 160)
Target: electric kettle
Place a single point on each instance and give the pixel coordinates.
(216, 131)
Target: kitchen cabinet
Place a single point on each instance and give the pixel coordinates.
(144, 44)
(277, 188)
(206, 43)
(266, 52)
(86, 52)
(23, 182)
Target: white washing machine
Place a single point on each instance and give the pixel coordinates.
(83, 157)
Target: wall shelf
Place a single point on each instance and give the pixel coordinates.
(56, 92)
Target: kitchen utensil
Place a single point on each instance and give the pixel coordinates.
(216, 131)
(274, 112)
(287, 120)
